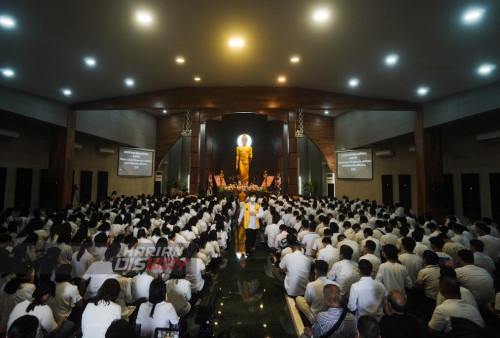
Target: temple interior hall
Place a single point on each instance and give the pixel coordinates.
(161, 113)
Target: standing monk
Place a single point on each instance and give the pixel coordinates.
(249, 217)
(243, 159)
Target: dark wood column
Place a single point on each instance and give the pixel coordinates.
(60, 170)
(209, 152)
(278, 146)
(292, 157)
(194, 171)
(429, 165)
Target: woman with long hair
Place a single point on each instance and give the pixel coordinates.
(156, 312)
(37, 307)
(64, 243)
(195, 268)
(82, 259)
(99, 314)
(179, 290)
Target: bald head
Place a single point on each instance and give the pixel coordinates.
(396, 300)
(332, 295)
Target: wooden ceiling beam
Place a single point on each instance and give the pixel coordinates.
(244, 99)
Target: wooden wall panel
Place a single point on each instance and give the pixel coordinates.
(320, 130)
(194, 185)
(168, 131)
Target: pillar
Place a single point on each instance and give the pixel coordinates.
(60, 172)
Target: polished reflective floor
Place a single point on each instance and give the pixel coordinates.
(250, 304)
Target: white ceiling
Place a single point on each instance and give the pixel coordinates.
(47, 47)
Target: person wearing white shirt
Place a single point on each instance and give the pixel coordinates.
(329, 253)
(82, 259)
(353, 245)
(412, 262)
(66, 296)
(474, 278)
(313, 301)
(419, 246)
(249, 218)
(453, 306)
(368, 234)
(389, 237)
(318, 242)
(480, 259)
(297, 268)
(195, 268)
(156, 312)
(308, 239)
(140, 286)
(367, 296)
(99, 314)
(467, 296)
(344, 272)
(179, 291)
(428, 277)
(491, 243)
(280, 241)
(272, 230)
(393, 275)
(368, 255)
(98, 272)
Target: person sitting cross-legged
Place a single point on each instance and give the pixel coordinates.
(336, 321)
(313, 302)
(367, 296)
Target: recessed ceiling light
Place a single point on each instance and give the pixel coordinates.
(422, 91)
(354, 82)
(282, 79)
(391, 59)
(236, 42)
(180, 60)
(7, 22)
(197, 78)
(321, 15)
(327, 112)
(66, 91)
(295, 59)
(129, 82)
(143, 17)
(90, 61)
(8, 72)
(473, 15)
(486, 69)
(164, 111)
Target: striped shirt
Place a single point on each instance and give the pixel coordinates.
(327, 319)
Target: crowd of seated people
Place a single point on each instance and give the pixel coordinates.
(346, 259)
(125, 264)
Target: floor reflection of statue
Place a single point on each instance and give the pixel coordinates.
(243, 159)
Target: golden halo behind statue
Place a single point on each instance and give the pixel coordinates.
(249, 140)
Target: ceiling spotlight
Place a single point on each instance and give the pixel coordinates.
(295, 59)
(282, 79)
(391, 59)
(327, 112)
(321, 15)
(422, 91)
(129, 82)
(164, 111)
(143, 17)
(238, 42)
(197, 78)
(472, 16)
(66, 91)
(7, 22)
(90, 61)
(486, 69)
(8, 72)
(180, 60)
(354, 82)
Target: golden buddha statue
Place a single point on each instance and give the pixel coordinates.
(243, 159)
